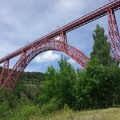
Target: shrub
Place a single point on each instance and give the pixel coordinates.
(50, 107)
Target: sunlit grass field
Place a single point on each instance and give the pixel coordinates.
(104, 114)
(29, 112)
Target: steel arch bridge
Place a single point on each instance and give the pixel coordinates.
(28, 55)
(9, 77)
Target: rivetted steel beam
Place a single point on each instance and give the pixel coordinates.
(96, 14)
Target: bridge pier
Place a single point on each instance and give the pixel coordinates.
(4, 72)
(9, 78)
(113, 34)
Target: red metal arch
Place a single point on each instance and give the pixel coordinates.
(28, 55)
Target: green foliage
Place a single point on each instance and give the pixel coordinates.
(67, 79)
(48, 86)
(28, 111)
(96, 87)
(4, 108)
(50, 107)
(8, 101)
(59, 84)
(101, 48)
(32, 78)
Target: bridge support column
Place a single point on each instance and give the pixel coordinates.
(63, 37)
(4, 72)
(113, 34)
(28, 55)
(16, 71)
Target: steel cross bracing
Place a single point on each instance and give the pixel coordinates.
(27, 56)
(102, 11)
(5, 71)
(9, 78)
(113, 34)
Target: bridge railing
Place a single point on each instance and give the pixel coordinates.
(100, 12)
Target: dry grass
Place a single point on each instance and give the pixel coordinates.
(104, 114)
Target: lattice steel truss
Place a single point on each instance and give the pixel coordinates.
(28, 55)
(113, 34)
(9, 77)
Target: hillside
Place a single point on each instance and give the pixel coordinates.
(104, 114)
(67, 93)
(34, 113)
(30, 77)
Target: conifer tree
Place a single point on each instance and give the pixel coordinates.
(101, 48)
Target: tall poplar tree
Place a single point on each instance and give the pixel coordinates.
(101, 48)
(102, 71)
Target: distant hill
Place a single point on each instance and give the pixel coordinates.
(30, 77)
(29, 85)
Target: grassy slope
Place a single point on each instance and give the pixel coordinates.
(105, 114)
(34, 113)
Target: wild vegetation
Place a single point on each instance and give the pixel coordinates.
(38, 96)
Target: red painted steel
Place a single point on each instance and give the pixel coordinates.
(5, 71)
(102, 11)
(28, 55)
(113, 34)
(48, 42)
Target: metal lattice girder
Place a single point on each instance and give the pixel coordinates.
(113, 34)
(48, 42)
(14, 74)
(27, 57)
(96, 14)
(5, 71)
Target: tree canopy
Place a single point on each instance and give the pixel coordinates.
(101, 48)
(96, 87)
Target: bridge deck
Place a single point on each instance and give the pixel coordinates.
(102, 11)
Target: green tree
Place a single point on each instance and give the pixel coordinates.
(59, 84)
(99, 85)
(49, 86)
(103, 69)
(7, 101)
(67, 79)
(101, 48)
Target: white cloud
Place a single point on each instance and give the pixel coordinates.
(46, 57)
(28, 20)
(71, 61)
(70, 5)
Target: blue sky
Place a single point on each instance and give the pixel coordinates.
(23, 21)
